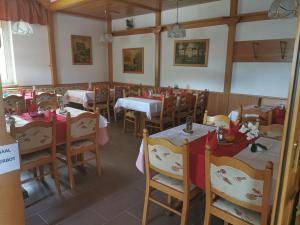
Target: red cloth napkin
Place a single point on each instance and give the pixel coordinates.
(145, 94)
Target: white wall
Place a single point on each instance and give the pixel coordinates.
(135, 41)
(65, 26)
(32, 57)
(211, 77)
(252, 77)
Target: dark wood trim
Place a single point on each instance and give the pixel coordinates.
(157, 49)
(255, 16)
(230, 50)
(83, 15)
(135, 31)
(65, 4)
(135, 4)
(52, 51)
(110, 54)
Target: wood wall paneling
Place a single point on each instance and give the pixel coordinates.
(157, 48)
(280, 50)
(110, 54)
(52, 51)
(230, 50)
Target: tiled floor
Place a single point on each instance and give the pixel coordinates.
(115, 198)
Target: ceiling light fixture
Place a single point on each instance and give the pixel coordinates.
(176, 31)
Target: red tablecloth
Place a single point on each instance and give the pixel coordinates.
(61, 126)
(197, 156)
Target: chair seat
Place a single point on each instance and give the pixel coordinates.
(33, 157)
(157, 120)
(170, 182)
(130, 114)
(238, 211)
(81, 144)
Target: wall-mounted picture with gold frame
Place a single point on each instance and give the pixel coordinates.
(191, 53)
(133, 60)
(81, 50)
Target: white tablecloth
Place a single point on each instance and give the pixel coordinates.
(148, 106)
(83, 97)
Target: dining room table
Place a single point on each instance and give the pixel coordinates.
(61, 124)
(238, 149)
(83, 97)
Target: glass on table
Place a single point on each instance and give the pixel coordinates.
(189, 124)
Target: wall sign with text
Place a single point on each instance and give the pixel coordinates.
(9, 158)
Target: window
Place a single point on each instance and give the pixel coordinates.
(7, 64)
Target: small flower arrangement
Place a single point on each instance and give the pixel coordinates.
(251, 131)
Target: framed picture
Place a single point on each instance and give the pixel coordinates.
(81, 50)
(191, 53)
(133, 60)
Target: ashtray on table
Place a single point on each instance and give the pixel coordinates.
(187, 131)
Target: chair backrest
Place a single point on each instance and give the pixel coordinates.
(118, 92)
(83, 126)
(185, 102)
(218, 120)
(168, 107)
(249, 114)
(200, 104)
(101, 95)
(237, 182)
(161, 156)
(35, 136)
(134, 91)
(14, 103)
(272, 131)
(43, 97)
(46, 105)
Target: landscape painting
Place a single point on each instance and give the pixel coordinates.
(133, 60)
(81, 50)
(191, 53)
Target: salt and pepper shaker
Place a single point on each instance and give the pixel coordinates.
(220, 136)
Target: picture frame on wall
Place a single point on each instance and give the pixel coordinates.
(81, 50)
(133, 60)
(191, 53)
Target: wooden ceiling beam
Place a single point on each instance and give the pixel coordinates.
(256, 16)
(135, 4)
(83, 15)
(65, 4)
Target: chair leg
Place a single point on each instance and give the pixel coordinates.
(135, 128)
(185, 211)
(108, 113)
(115, 115)
(98, 162)
(70, 170)
(56, 176)
(146, 206)
(41, 170)
(124, 125)
(34, 170)
(207, 217)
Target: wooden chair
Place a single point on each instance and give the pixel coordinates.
(218, 120)
(184, 107)
(200, 106)
(272, 131)
(166, 115)
(37, 145)
(82, 137)
(255, 115)
(14, 103)
(101, 101)
(118, 93)
(44, 97)
(46, 105)
(130, 115)
(167, 170)
(236, 192)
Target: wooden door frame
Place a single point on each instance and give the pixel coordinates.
(293, 99)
